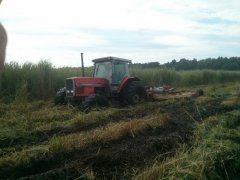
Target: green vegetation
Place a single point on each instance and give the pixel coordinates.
(185, 78)
(42, 80)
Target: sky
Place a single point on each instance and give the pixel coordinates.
(140, 30)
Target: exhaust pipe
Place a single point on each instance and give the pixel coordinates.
(83, 74)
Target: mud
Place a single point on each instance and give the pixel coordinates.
(117, 159)
(36, 137)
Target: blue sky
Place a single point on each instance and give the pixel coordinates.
(144, 31)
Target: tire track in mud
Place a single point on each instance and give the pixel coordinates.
(111, 159)
(36, 137)
(40, 162)
(114, 158)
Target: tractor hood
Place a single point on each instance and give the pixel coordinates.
(88, 81)
(77, 87)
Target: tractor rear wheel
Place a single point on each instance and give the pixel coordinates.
(133, 94)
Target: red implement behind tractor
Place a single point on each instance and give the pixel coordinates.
(111, 81)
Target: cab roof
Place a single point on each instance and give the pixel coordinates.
(110, 58)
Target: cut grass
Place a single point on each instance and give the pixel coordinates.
(216, 143)
(59, 147)
(107, 133)
(39, 121)
(43, 140)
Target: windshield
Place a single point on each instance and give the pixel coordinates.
(113, 71)
(103, 70)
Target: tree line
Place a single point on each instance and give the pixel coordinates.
(220, 63)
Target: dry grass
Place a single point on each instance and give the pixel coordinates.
(69, 143)
(107, 133)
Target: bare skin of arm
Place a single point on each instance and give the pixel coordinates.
(3, 43)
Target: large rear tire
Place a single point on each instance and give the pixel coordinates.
(133, 94)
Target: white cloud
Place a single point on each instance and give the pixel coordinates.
(173, 40)
(59, 29)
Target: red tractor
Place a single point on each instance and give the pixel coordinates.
(110, 82)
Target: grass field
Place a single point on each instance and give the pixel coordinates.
(187, 138)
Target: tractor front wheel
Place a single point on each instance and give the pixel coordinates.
(60, 97)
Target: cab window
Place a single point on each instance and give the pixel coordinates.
(103, 70)
(119, 72)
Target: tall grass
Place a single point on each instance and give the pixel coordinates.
(157, 76)
(42, 80)
(184, 78)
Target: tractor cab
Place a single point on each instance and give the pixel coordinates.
(113, 69)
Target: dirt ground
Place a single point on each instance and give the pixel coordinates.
(119, 158)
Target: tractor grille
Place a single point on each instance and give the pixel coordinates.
(70, 88)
